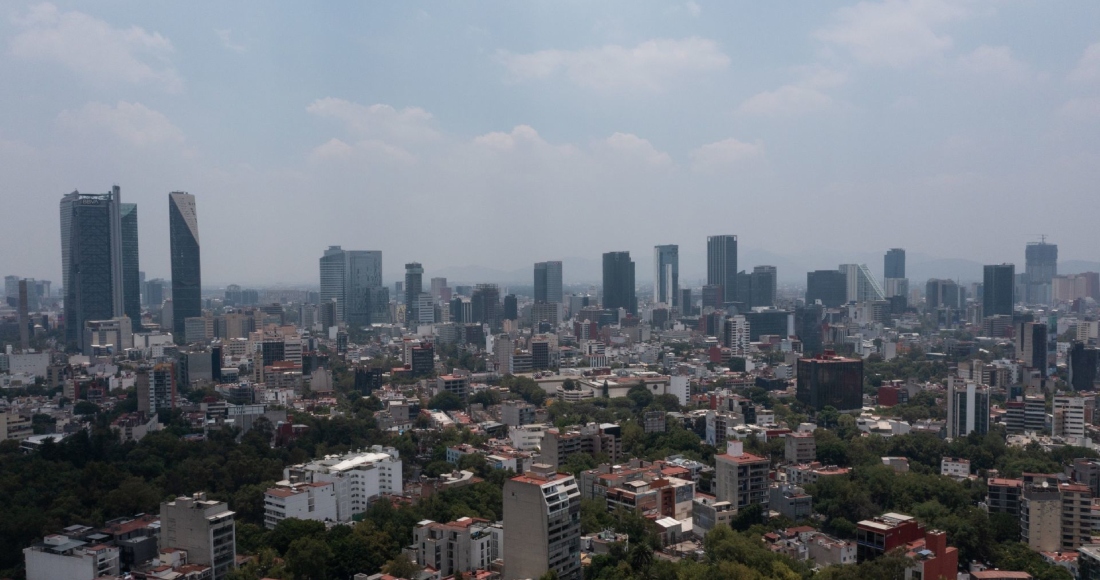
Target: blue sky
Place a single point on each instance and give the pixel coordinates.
(502, 133)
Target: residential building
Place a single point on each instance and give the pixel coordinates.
(358, 477)
(955, 467)
(1041, 518)
(790, 501)
(542, 526)
(516, 413)
(183, 231)
(204, 529)
(15, 426)
(799, 448)
(967, 408)
(558, 444)
(884, 533)
(741, 478)
(304, 501)
(1068, 417)
(458, 385)
(59, 556)
(829, 380)
(736, 334)
(1003, 496)
(931, 558)
(707, 512)
(462, 546)
(722, 266)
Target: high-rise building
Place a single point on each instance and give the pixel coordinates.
(1031, 345)
(894, 264)
(860, 284)
(666, 275)
(131, 276)
(363, 288)
(1083, 363)
(828, 380)
(998, 285)
(183, 229)
(967, 408)
(687, 305)
(91, 260)
(333, 272)
(736, 336)
(414, 285)
(741, 478)
(618, 282)
(548, 282)
(511, 307)
(542, 527)
(943, 294)
(828, 286)
(485, 306)
(1041, 266)
(807, 325)
(203, 528)
(764, 282)
(722, 265)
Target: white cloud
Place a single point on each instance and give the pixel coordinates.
(893, 33)
(1088, 68)
(804, 96)
(629, 148)
(725, 153)
(132, 122)
(522, 138)
(693, 8)
(1082, 108)
(94, 48)
(650, 65)
(995, 61)
(378, 121)
(365, 152)
(227, 42)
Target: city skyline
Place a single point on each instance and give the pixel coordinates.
(900, 131)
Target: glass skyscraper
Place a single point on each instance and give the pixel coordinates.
(91, 260)
(618, 282)
(131, 276)
(998, 285)
(666, 275)
(722, 265)
(548, 282)
(183, 231)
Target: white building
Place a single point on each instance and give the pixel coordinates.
(63, 557)
(359, 478)
(305, 501)
(1069, 417)
(527, 437)
(955, 467)
(680, 386)
(464, 545)
(30, 363)
(737, 335)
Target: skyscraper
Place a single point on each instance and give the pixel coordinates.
(414, 285)
(998, 285)
(485, 306)
(764, 282)
(363, 287)
(722, 265)
(967, 408)
(548, 282)
(511, 307)
(131, 276)
(828, 286)
(618, 282)
(1041, 267)
(861, 284)
(91, 260)
(666, 275)
(894, 264)
(333, 276)
(183, 230)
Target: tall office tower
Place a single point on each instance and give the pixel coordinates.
(11, 286)
(91, 260)
(1031, 345)
(542, 528)
(399, 292)
(807, 325)
(24, 318)
(485, 306)
(438, 284)
(511, 307)
(131, 276)
(828, 286)
(183, 229)
(967, 408)
(548, 282)
(998, 285)
(333, 272)
(205, 529)
(828, 380)
(618, 282)
(141, 288)
(764, 282)
(722, 265)
(1041, 267)
(943, 293)
(666, 275)
(894, 264)
(861, 284)
(687, 305)
(362, 282)
(414, 285)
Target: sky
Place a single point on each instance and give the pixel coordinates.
(496, 134)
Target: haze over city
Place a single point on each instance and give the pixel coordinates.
(478, 138)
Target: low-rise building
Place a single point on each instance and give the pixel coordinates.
(359, 477)
(304, 501)
(955, 468)
(59, 556)
(464, 545)
(790, 501)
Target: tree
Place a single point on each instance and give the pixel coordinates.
(446, 401)
(85, 408)
(308, 558)
(401, 567)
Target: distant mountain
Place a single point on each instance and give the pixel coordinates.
(1077, 266)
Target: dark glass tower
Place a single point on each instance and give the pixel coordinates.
(91, 261)
(828, 286)
(183, 230)
(548, 282)
(666, 275)
(414, 285)
(998, 285)
(1041, 267)
(618, 282)
(894, 264)
(722, 265)
(131, 277)
(764, 281)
